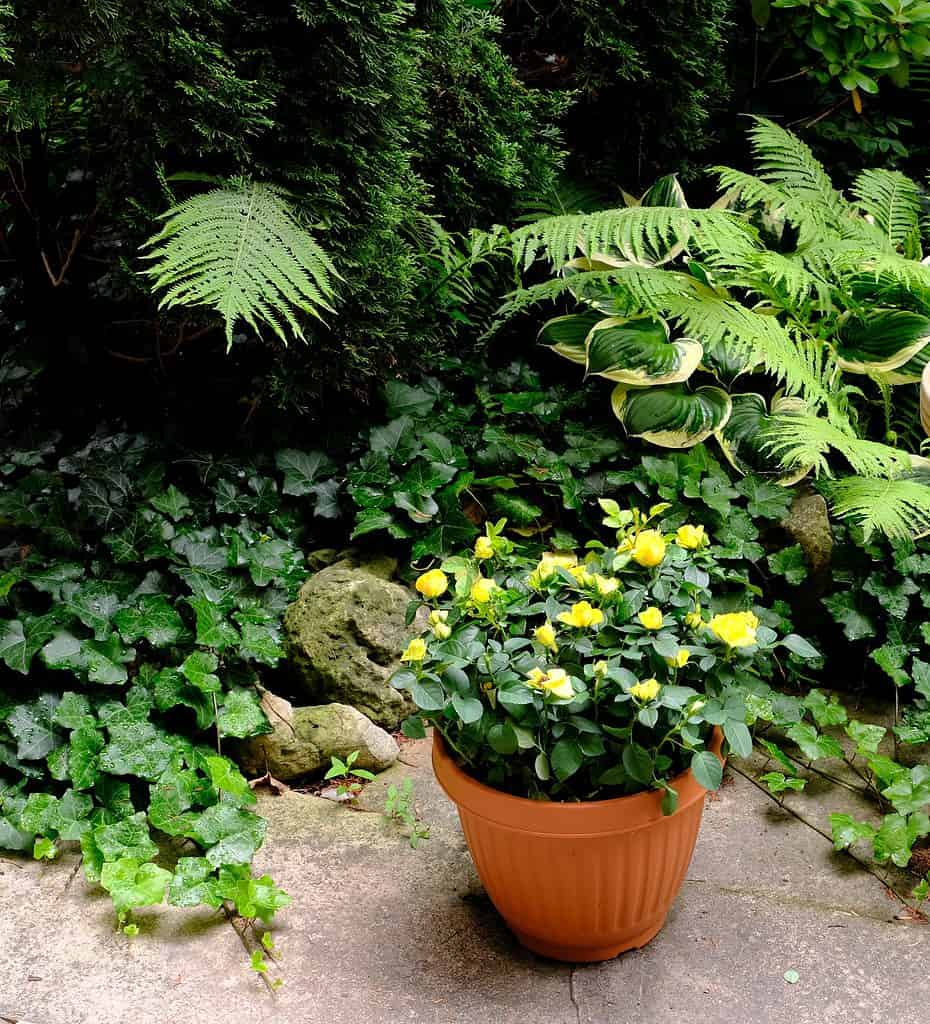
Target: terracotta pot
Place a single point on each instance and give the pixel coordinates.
(577, 881)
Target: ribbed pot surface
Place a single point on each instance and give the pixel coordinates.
(581, 881)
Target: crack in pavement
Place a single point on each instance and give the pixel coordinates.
(571, 993)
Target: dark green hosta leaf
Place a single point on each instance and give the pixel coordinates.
(230, 835)
(32, 725)
(897, 835)
(813, 745)
(137, 748)
(847, 831)
(743, 437)
(154, 619)
(173, 503)
(241, 714)
(707, 769)
(132, 883)
(199, 669)
(213, 629)
(301, 469)
(194, 883)
(670, 416)
(638, 352)
(881, 341)
(566, 334)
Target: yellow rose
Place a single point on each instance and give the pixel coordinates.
(581, 575)
(433, 583)
(605, 585)
(691, 537)
(651, 617)
(483, 548)
(582, 616)
(735, 629)
(645, 691)
(649, 548)
(545, 635)
(415, 651)
(555, 682)
(680, 659)
(437, 622)
(482, 589)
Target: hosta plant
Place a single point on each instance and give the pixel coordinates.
(578, 678)
(777, 321)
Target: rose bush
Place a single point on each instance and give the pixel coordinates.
(572, 678)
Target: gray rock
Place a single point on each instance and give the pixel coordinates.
(303, 740)
(344, 635)
(808, 522)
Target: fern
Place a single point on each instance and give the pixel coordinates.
(892, 200)
(897, 507)
(242, 252)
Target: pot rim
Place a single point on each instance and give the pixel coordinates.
(592, 817)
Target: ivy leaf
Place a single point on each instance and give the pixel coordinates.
(857, 625)
(226, 778)
(83, 760)
(127, 838)
(51, 577)
(253, 897)
(153, 619)
(213, 630)
(789, 562)
(173, 503)
(404, 399)
(890, 658)
(823, 710)
(73, 711)
(777, 782)
(199, 668)
(261, 637)
(136, 748)
(131, 883)
(194, 883)
(897, 835)
(326, 505)
(301, 469)
(20, 642)
(866, 737)
(396, 439)
(241, 714)
(910, 791)
(920, 672)
(894, 597)
(172, 797)
(814, 745)
(95, 604)
(32, 725)
(231, 835)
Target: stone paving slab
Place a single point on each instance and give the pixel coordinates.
(379, 932)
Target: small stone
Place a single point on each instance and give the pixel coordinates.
(304, 739)
(808, 522)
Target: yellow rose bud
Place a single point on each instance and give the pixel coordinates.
(645, 691)
(680, 659)
(651, 617)
(554, 682)
(545, 635)
(581, 575)
(605, 585)
(482, 589)
(484, 548)
(437, 621)
(649, 548)
(696, 706)
(691, 537)
(694, 619)
(415, 651)
(600, 669)
(582, 616)
(433, 583)
(735, 629)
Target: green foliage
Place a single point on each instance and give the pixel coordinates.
(347, 786)
(647, 78)
(138, 600)
(793, 283)
(241, 252)
(399, 806)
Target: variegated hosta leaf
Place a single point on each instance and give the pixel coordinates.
(638, 351)
(665, 191)
(909, 372)
(742, 435)
(597, 296)
(671, 417)
(723, 364)
(566, 334)
(882, 341)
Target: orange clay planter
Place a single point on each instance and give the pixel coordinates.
(577, 881)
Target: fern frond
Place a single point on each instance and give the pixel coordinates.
(892, 200)
(636, 232)
(748, 189)
(805, 440)
(897, 508)
(782, 159)
(242, 252)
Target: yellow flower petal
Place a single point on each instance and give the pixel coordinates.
(545, 635)
(433, 583)
(649, 548)
(582, 616)
(415, 650)
(645, 691)
(484, 548)
(691, 537)
(482, 589)
(651, 617)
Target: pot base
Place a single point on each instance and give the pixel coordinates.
(587, 954)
